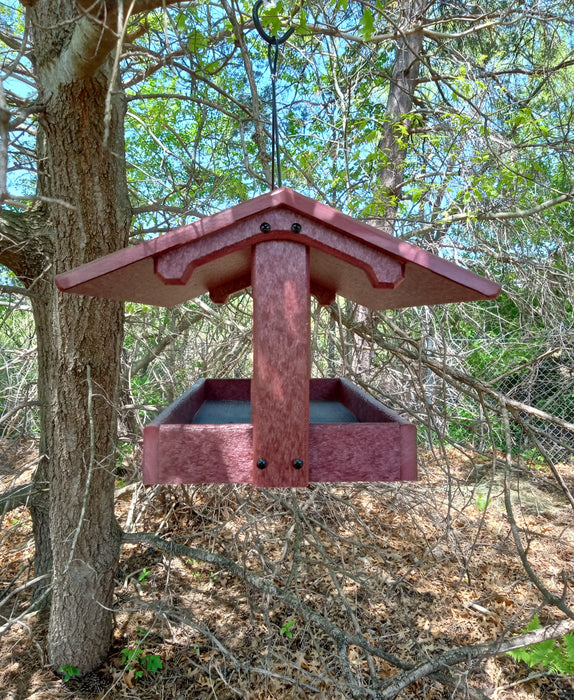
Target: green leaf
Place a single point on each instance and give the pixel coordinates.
(197, 41)
(367, 24)
(568, 642)
(554, 654)
(482, 502)
(303, 26)
(69, 672)
(286, 629)
(144, 575)
(152, 663)
(130, 655)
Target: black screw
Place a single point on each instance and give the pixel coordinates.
(261, 463)
(265, 227)
(296, 228)
(298, 463)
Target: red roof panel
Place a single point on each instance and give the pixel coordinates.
(348, 257)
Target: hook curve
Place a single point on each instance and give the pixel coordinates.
(272, 40)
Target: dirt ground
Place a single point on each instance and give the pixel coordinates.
(416, 568)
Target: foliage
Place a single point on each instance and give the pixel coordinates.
(556, 655)
(69, 672)
(144, 575)
(482, 502)
(286, 629)
(139, 662)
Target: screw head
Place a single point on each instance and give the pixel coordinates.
(298, 463)
(261, 463)
(296, 228)
(265, 227)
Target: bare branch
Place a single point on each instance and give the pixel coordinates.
(450, 374)
(13, 289)
(25, 242)
(340, 637)
(447, 219)
(19, 407)
(480, 651)
(16, 497)
(185, 323)
(95, 36)
(548, 596)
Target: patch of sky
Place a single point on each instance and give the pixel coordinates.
(18, 89)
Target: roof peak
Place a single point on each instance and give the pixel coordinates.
(348, 257)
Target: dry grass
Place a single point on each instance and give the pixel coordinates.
(418, 569)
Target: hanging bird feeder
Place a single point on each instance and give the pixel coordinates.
(279, 428)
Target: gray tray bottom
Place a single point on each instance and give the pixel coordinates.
(218, 412)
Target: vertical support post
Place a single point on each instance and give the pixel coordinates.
(281, 364)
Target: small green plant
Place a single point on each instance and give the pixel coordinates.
(554, 654)
(69, 672)
(144, 575)
(534, 458)
(482, 502)
(213, 576)
(132, 658)
(152, 663)
(286, 629)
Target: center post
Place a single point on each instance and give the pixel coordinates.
(281, 364)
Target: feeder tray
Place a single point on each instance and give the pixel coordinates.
(280, 428)
(206, 436)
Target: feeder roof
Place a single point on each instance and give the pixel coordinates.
(347, 257)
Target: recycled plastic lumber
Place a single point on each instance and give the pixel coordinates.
(286, 247)
(378, 445)
(347, 257)
(281, 364)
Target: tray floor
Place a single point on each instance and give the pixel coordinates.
(221, 412)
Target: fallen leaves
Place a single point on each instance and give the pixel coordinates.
(416, 569)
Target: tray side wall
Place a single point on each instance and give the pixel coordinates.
(198, 454)
(383, 449)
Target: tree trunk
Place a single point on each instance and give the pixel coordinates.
(87, 344)
(89, 212)
(403, 83)
(40, 500)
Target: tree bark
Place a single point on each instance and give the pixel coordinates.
(85, 214)
(83, 182)
(40, 499)
(87, 338)
(404, 80)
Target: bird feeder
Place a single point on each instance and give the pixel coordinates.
(279, 428)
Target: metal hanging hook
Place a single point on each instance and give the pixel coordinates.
(274, 43)
(272, 40)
